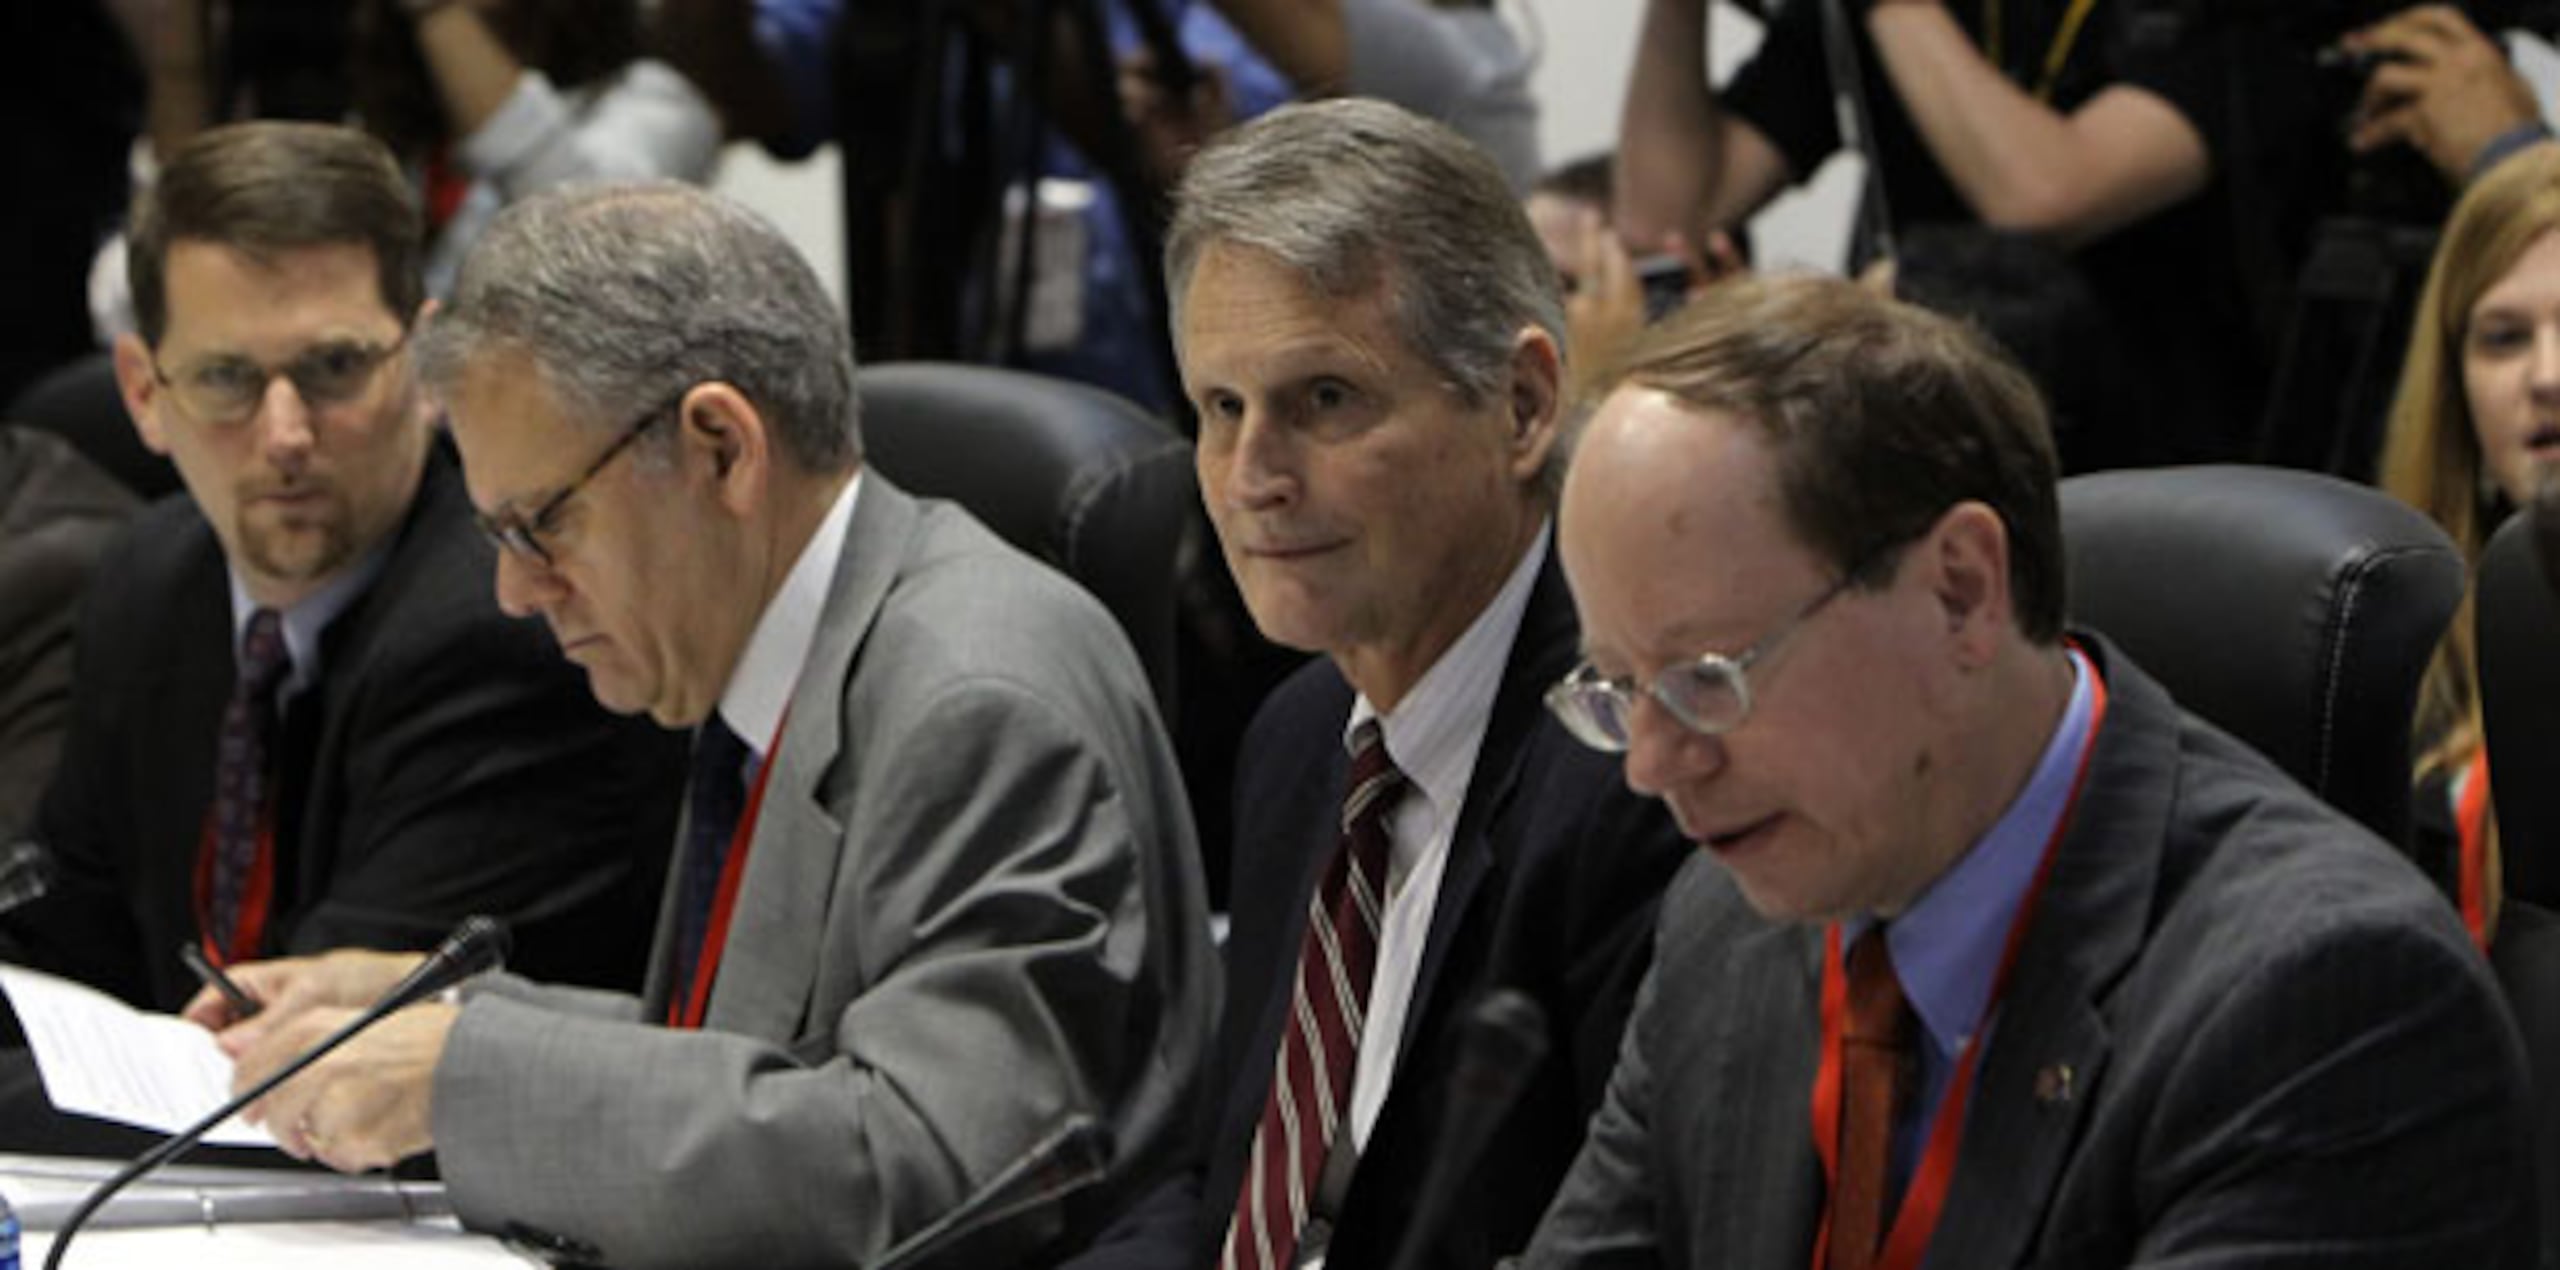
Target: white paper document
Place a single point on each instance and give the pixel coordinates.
(101, 1057)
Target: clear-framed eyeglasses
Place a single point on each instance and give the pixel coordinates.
(222, 392)
(1710, 695)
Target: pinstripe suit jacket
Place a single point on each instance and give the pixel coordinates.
(2280, 1048)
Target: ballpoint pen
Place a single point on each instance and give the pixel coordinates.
(243, 1005)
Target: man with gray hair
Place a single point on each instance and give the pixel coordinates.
(1371, 333)
(934, 971)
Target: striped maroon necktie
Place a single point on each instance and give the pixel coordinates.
(1311, 1081)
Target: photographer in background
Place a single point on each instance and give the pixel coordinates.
(2156, 141)
(483, 101)
(2445, 89)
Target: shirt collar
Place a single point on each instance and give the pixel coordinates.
(308, 618)
(1948, 945)
(1434, 732)
(760, 688)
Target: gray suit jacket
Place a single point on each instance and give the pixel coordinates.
(2241, 1032)
(972, 918)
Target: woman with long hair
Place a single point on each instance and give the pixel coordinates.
(2476, 420)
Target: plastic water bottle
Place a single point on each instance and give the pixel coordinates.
(8, 1235)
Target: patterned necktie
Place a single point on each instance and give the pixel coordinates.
(717, 798)
(1311, 1080)
(1875, 1052)
(240, 785)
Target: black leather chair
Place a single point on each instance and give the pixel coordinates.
(2294, 610)
(2517, 622)
(2526, 955)
(2516, 619)
(1071, 474)
(80, 403)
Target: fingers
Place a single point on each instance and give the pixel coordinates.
(1602, 262)
(1723, 259)
(2393, 125)
(364, 1107)
(208, 1009)
(2422, 34)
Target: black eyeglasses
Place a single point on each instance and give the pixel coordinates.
(224, 391)
(1710, 696)
(522, 535)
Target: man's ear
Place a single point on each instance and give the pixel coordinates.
(140, 387)
(718, 427)
(428, 407)
(1969, 554)
(1536, 400)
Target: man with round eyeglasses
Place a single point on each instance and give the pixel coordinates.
(1990, 955)
(299, 720)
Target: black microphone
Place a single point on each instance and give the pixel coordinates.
(478, 944)
(26, 873)
(1504, 1042)
(1070, 1159)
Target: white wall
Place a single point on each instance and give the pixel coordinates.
(806, 199)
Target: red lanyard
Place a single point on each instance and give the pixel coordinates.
(685, 1010)
(2471, 825)
(1917, 1219)
(257, 892)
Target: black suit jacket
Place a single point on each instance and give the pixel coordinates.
(1553, 874)
(2242, 1031)
(58, 512)
(447, 762)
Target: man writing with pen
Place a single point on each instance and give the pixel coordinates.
(299, 720)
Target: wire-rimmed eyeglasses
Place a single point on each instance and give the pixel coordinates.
(1710, 694)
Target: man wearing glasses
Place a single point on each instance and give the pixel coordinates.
(934, 971)
(300, 721)
(1990, 955)
(1372, 335)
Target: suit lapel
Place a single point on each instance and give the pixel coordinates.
(182, 695)
(1540, 653)
(1754, 1129)
(314, 729)
(2051, 1042)
(771, 958)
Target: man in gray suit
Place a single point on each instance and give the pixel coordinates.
(935, 967)
(1990, 956)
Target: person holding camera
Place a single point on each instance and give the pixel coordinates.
(2122, 132)
(2442, 87)
(483, 101)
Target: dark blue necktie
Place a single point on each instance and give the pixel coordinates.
(716, 798)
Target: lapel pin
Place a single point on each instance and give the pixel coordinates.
(2053, 1085)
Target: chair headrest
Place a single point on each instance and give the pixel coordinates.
(2294, 610)
(1069, 473)
(2517, 620)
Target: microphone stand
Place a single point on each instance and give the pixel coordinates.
(26, 874)
(1069, 1159)
(1505, 1041)
(479, 943)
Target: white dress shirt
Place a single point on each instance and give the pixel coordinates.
(1432, 736)
(760, 688)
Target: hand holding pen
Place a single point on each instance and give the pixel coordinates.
(243, 1006)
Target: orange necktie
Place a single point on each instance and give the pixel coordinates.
(1875, 1053)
